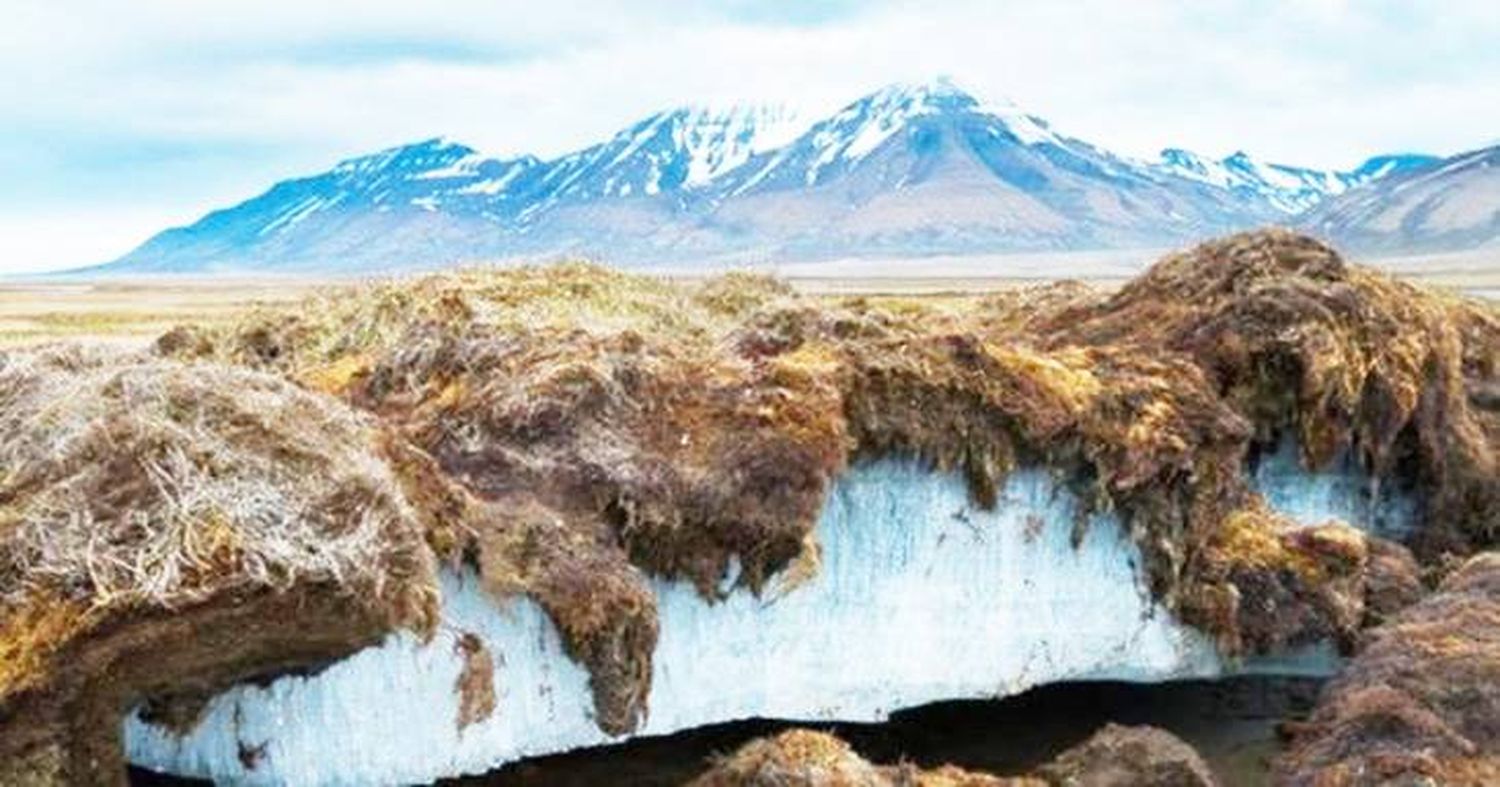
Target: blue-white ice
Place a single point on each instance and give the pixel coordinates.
(920, 597)
(1340, 491)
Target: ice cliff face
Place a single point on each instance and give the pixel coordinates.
(920, 596)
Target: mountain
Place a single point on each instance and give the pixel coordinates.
(931, 167)
(1289, 189)
(437, 202)
(431, 200)
(907, 170)
(1449, 205)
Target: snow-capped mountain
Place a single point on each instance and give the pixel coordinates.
(1286, 188)
(839, 143)
(1450, 204)
(931, 167)
(906, 170)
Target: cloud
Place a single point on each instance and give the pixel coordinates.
(230, 96)
(43, 241)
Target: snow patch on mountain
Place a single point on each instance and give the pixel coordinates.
(862, 127)
(1291, 190)
(716, 141)
(1438, 206)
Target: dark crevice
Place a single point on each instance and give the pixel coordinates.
(1232, 722)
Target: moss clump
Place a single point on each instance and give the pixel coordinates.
(1113, 755)
(1296, 340)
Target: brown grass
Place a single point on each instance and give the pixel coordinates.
(804, 758)
(135, 482)
(168, 527)
(1113, 755)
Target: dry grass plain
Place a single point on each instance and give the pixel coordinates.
(132, 311)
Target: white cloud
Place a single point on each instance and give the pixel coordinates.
(294, 85)
(34, 242)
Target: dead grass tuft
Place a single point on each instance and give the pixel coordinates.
(150, 483)
(171, 527)
(804, 758)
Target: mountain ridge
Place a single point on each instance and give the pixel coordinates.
(909, 169)
(1449, 205)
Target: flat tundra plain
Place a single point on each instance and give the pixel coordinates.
(135, 311)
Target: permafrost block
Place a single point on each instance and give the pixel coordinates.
(921, 596)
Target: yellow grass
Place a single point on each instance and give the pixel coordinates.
(130, 312)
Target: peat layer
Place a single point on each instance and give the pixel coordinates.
(569, 431)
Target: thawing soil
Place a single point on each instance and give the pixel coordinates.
(257, 492)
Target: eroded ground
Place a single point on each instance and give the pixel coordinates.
(566, 433)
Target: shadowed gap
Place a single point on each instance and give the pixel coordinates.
(1232, 723)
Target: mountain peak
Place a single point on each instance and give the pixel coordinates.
(1391, 163)
(936, 94)
(1239, 158)
(428, 154)
(1182, 157)
(894, 104)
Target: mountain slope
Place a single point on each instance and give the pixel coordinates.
(668, 152)
(1451, 205)
(434, 199)
(907, 170)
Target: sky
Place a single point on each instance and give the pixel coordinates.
(120, 119)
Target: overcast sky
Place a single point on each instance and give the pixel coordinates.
(118, 119)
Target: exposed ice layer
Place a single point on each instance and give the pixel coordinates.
(920, 597)
(1342, 491)
(388, 715)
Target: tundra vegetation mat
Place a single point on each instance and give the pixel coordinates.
(1418, 705)
(259, 495)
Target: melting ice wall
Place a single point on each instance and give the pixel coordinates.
(921, 597)
(1340, 491)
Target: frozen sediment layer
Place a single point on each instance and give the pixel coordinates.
(388, 714)
(921, 596)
